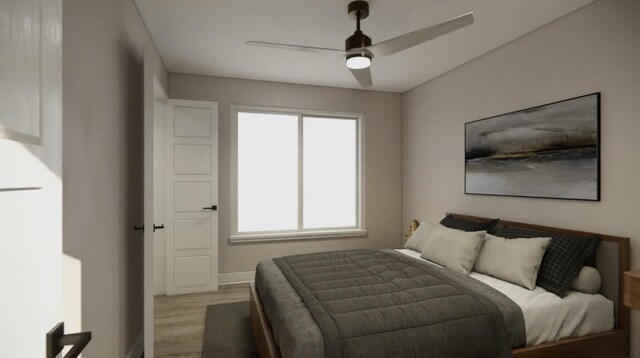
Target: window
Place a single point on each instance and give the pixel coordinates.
(295, 174)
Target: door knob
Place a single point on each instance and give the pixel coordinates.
(212, 208)
(138, 228)
(157, 227)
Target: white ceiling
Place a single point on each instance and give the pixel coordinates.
(207, 36)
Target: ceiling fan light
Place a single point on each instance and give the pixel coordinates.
(358, 62)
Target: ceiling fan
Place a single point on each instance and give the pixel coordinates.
(358, 48)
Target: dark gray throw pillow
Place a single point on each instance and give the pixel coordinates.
(563, 259)
(453, 222)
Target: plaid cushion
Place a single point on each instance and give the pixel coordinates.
(453, 222)
(563, 259)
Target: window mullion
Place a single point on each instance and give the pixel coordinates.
(300, 170)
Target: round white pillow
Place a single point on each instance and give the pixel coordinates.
(587, 281)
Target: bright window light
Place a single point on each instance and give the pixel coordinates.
(329, 172)
(267, 172)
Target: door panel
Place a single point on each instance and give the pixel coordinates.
(192, 122)
(192, 183)
(192, 234)
(192, 159)
(192, 196)
(193, 271)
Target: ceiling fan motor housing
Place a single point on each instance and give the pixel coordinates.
(358, 10)
(356, 41)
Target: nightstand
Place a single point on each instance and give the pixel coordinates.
(632, 289)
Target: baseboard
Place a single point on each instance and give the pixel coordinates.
(236, 277)
(138, 347)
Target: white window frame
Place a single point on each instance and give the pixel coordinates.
(300, 233)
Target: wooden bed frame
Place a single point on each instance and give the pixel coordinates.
(614, 343)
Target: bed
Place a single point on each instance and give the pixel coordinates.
(575, 326)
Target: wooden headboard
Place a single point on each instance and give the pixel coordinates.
(612, 260)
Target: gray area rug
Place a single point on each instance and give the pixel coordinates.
(227, 331)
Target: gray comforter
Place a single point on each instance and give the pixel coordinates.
(379, 303)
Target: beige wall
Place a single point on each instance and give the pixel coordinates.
(104, 41)
(594, 49)
(382, 154)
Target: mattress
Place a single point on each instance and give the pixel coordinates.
(548, 317)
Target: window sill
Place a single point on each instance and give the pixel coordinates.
(329, 234)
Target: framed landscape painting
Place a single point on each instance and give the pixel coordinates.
(549, 151)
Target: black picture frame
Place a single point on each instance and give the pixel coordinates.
(582, 156)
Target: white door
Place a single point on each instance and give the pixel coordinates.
(154, 99)
(160, 192)
(30, 174)
(192, 197)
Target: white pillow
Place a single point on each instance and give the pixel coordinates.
(454, 249)
(512, 260)
(417, 239)
(587, 281)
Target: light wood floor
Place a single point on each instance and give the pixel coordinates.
(179, 320)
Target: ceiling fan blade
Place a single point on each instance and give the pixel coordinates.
(417, 37)
(322, 50)
(363, 76)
